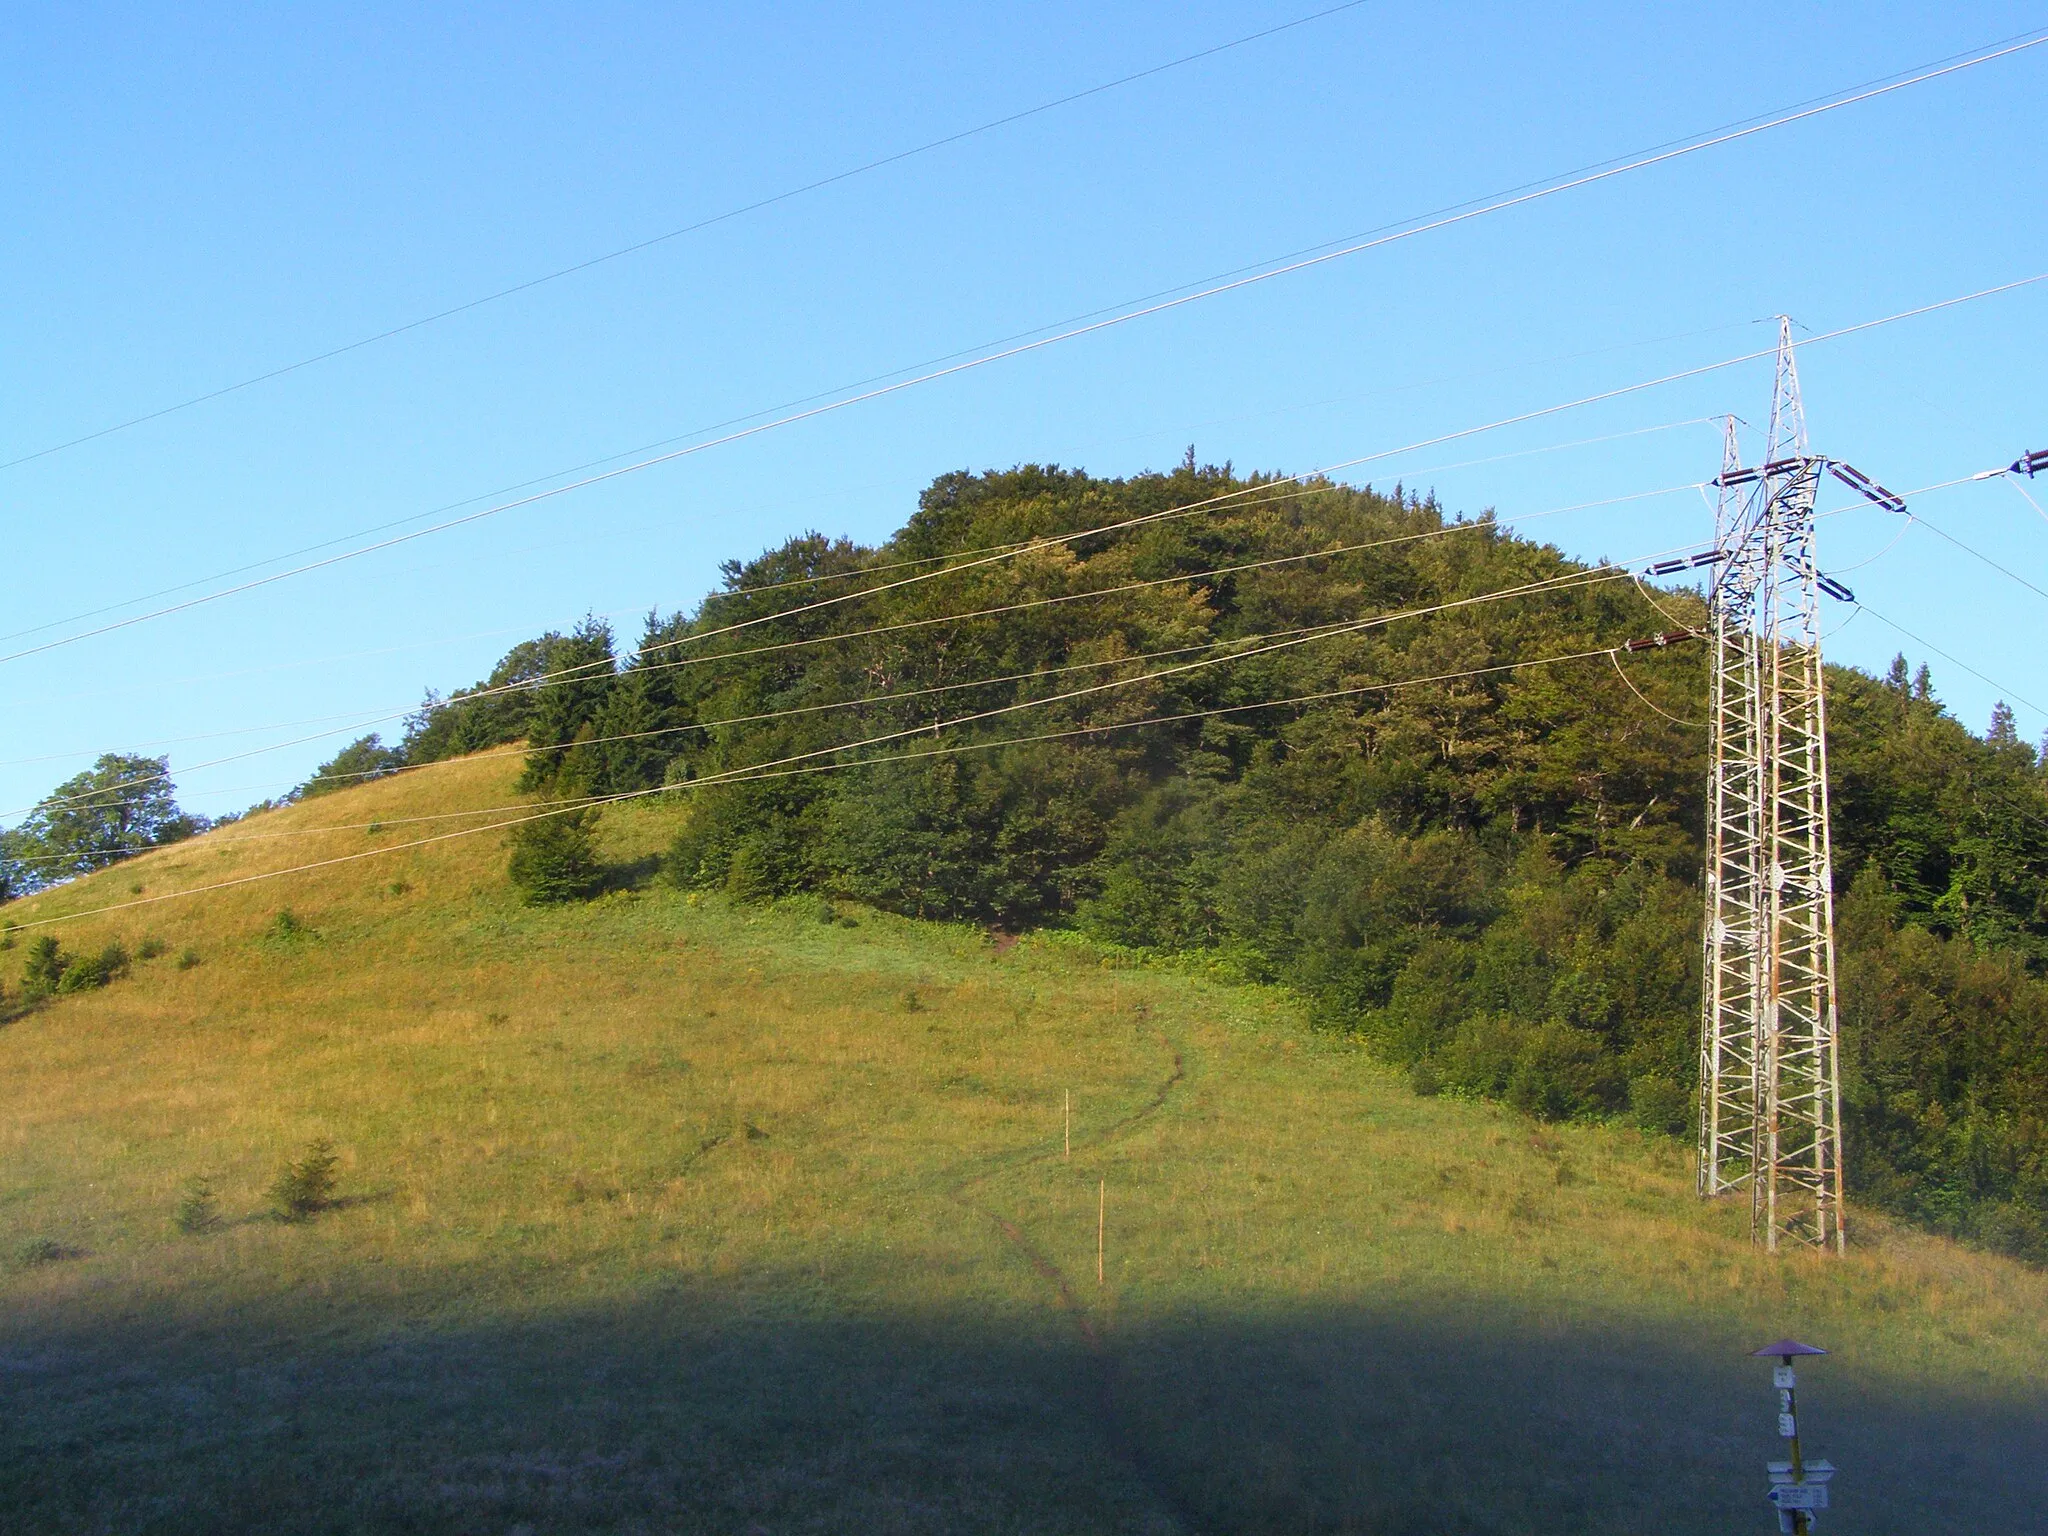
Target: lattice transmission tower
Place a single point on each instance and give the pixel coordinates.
(1770, 1068)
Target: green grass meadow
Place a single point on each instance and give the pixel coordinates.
(660, 1213)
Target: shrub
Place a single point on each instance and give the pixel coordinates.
(305, 1185)
(82, 975)
(187, 958)
(287, 927)
(197, 1211)
(1659, 1105)
(38, 1251)
(45, 967)
(1560, 1072)
(150, 948)
(555, 859)
(751, 875)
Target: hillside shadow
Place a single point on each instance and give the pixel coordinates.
(694, 1411)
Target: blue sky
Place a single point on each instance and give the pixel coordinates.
(200, 196)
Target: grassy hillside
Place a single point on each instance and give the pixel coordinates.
(662, 1213)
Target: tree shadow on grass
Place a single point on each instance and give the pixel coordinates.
(708, 1411)
(632, 875)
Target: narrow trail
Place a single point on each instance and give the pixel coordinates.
(1114, 1428)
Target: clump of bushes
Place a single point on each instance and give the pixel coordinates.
(86, 972)
(554, 858)
(305, 1185)
(53, 970)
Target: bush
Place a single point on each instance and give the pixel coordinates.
(1562, 1072)
(305, 1185)
(85, 972)
(38, 1251)
(82, 975)
(197, 1211)
(45, 966)
(150, 948)
(287, 927)
(1659, 1105)
(750, 877)
(187, 958)
(555, 858)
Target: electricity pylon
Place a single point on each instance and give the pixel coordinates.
(1770, 1064)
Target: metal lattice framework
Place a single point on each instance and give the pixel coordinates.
(1770, 1074)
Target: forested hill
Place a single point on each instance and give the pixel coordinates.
(1478, 856)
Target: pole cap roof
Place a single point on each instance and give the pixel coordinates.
(1785, 1349)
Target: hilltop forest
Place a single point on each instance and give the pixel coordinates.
(1465, 840)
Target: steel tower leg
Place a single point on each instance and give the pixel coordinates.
(1732, 930)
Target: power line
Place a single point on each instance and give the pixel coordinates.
(1697, 725)
(1953, 661)
(676, 234)
(1431, 442)
(506, 490)
(592, 668)
(1977, 554)
(455, 701)
(1278, 640)
(1288, 268)
(1005, 551)
(1187, 509)
(1562, 582)
(744, 775)
(2027, 496)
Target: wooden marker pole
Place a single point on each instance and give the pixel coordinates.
(1068, 1153)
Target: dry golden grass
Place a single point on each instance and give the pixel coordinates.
(670, 1215)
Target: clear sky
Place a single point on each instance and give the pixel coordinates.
(197, 194)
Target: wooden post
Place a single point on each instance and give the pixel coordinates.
(1068, 1154)
(1101, 1212)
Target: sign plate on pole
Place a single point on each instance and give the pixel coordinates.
(1800, 1495)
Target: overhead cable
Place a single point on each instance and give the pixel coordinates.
(595, 668)
(1264, 275)
(742, 776)
(1278, 640)
(1894, 624)
(687, 229)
